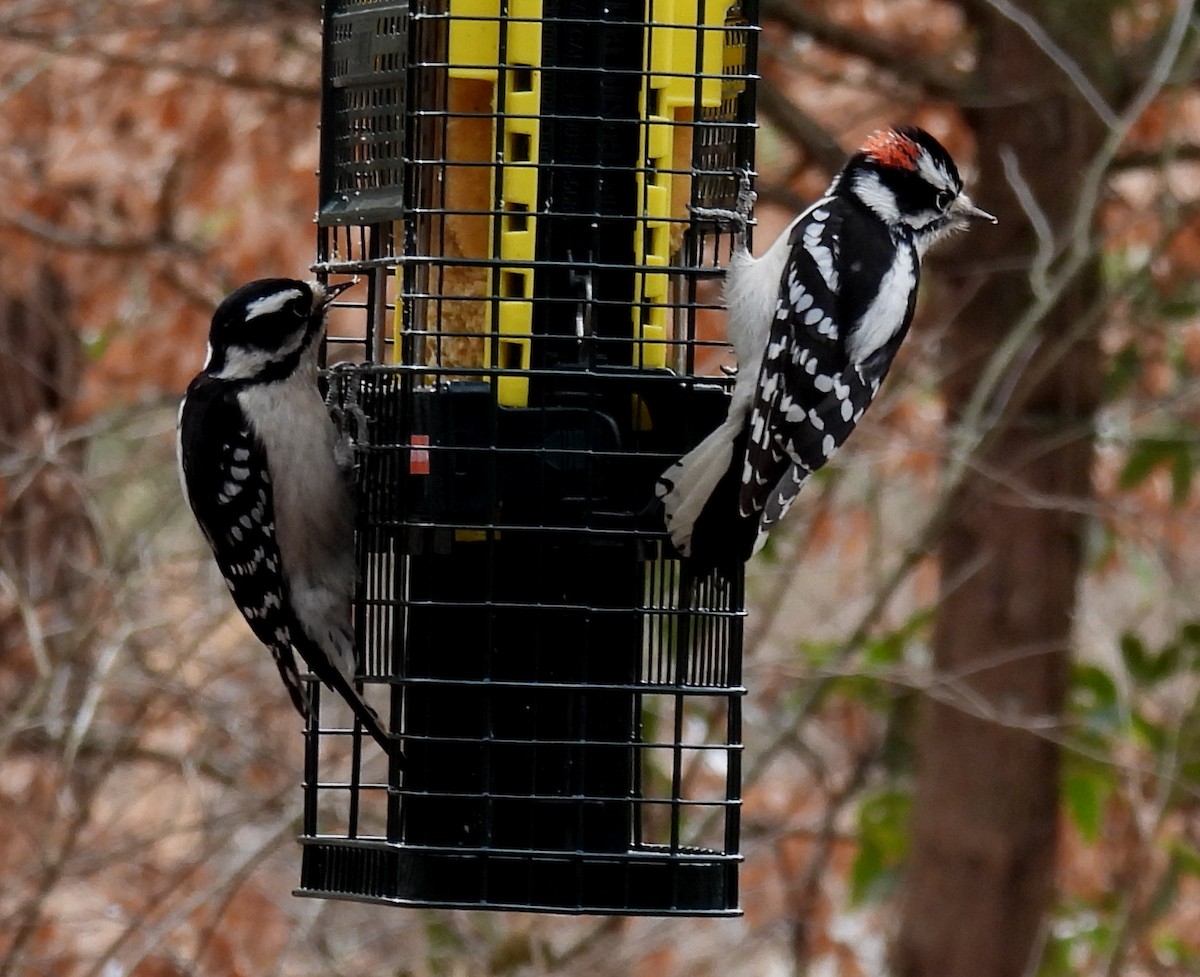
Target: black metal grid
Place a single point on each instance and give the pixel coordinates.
(530, 354)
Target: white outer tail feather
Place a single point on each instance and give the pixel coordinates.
(693, 479)
(751, 295)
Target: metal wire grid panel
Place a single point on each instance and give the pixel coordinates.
(530, 351)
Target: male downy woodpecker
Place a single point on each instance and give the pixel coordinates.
(256, 456)
(814, 323)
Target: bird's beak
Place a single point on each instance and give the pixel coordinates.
(330, 292)
(963, 207)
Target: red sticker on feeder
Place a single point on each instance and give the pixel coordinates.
(418, 456)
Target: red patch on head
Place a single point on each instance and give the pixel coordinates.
(890, 148)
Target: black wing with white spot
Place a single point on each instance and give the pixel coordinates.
(229, 488)
(809, 436)
(803, 355)
(810, 393)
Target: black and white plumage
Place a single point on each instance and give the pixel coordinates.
(815, 323)
(257, 462)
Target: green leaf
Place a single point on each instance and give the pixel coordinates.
(1171, 951)
(866, 871)
(818, 653)
(1125, 368)
(1186, 857)
(1150, 733)
(1147, 454)
(1141, 462)
(1077, 931)
(883, 842)
(889, 649)
(1190, 634)
(95, 344)
(1056, 958)
(1093, 697)
(1183, 467)
(870, 691)
(1179, 308)
(1144, 666)
(1084, 793)
(1144, 456)
(1133, 654)
(1165, 664)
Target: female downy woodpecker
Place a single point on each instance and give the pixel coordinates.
(257, 462)
(815, 323)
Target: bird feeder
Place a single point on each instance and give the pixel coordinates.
(513, 180)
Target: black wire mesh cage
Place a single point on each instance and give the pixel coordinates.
(512, 178)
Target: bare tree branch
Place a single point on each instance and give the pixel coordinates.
(1047, 248)
(929, 76)
(1058, 57)
(62, 237)
(52, 42)
(969, 434)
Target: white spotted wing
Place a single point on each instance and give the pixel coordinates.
(810, 394)
(231, 496)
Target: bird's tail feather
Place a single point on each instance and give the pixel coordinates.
(363, 712)
(686, 486)
(339, 651)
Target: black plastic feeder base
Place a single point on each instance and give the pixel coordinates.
(643, 882)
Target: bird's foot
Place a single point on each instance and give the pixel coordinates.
(737, 219)
(349, 420)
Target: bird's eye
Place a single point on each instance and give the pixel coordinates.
(944, 199)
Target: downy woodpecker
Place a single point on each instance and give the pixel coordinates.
(815, 324)
(257, 462)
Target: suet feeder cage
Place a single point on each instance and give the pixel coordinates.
(513, 180)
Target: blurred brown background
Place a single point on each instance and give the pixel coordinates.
(972, 729)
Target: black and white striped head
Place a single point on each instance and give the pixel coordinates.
(260, 332)
(906, 177)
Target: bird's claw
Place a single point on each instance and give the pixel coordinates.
(746, 197)
(349, 420)
(352, 425)
(737, 219)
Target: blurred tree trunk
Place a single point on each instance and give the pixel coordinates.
(985, 815)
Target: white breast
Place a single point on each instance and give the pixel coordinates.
(314, 516)
(885, 315)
